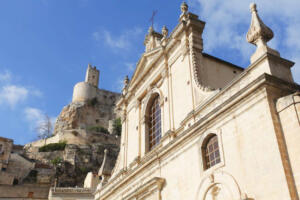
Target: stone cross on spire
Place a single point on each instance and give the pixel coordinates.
(259, 34)
(152, 17)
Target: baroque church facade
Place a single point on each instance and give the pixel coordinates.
(197, 127)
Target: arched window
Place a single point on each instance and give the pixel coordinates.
(154, 125)
(211, 152)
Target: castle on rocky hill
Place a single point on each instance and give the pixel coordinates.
(83, 132)
(91, 109)
(193, 126)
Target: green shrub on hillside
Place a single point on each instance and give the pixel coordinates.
(84, 170)
(56, 161)
(53, 147)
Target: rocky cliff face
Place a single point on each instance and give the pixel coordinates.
(86, 129)
(96, 112)
(71, 165)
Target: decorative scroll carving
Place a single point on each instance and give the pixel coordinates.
(196, 47)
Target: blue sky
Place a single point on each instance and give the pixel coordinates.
(45, 46)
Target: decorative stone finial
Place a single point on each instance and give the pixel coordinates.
(126, 81)
(253, 7)
(150, 30)
(258, 30)
(165, 31)
(259, 34)
(184, 7)
(104, 170)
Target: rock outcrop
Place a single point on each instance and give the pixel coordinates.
(72, 164)
(91, 113)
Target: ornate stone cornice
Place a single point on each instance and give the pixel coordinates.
(151, 186)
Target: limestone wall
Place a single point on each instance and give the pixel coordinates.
(42, 142)
(5, 150)
(250, 157)
(218, 73)
(19, 167)
(6, 178)
(288, 108)
(178, 97)
(84, 91)
(71, 193)
(78, 137)
(24, 192)
(91, 181)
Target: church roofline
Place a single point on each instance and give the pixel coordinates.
(192, 20)
(222, 61)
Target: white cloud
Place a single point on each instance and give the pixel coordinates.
(33, 115)
(227, 23)
(5, 77)
(12, 95)
(36, 92)
(123, 41)
(36, 117)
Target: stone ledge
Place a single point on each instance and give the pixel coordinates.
(59, 190)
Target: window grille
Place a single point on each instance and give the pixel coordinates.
(154, 123)
(212, 153)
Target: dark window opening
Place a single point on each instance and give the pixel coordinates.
(154, 123)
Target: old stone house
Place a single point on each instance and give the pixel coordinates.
(197, 127)
(14, 169)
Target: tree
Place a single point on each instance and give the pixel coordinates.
(117, 126)
(44, 128)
